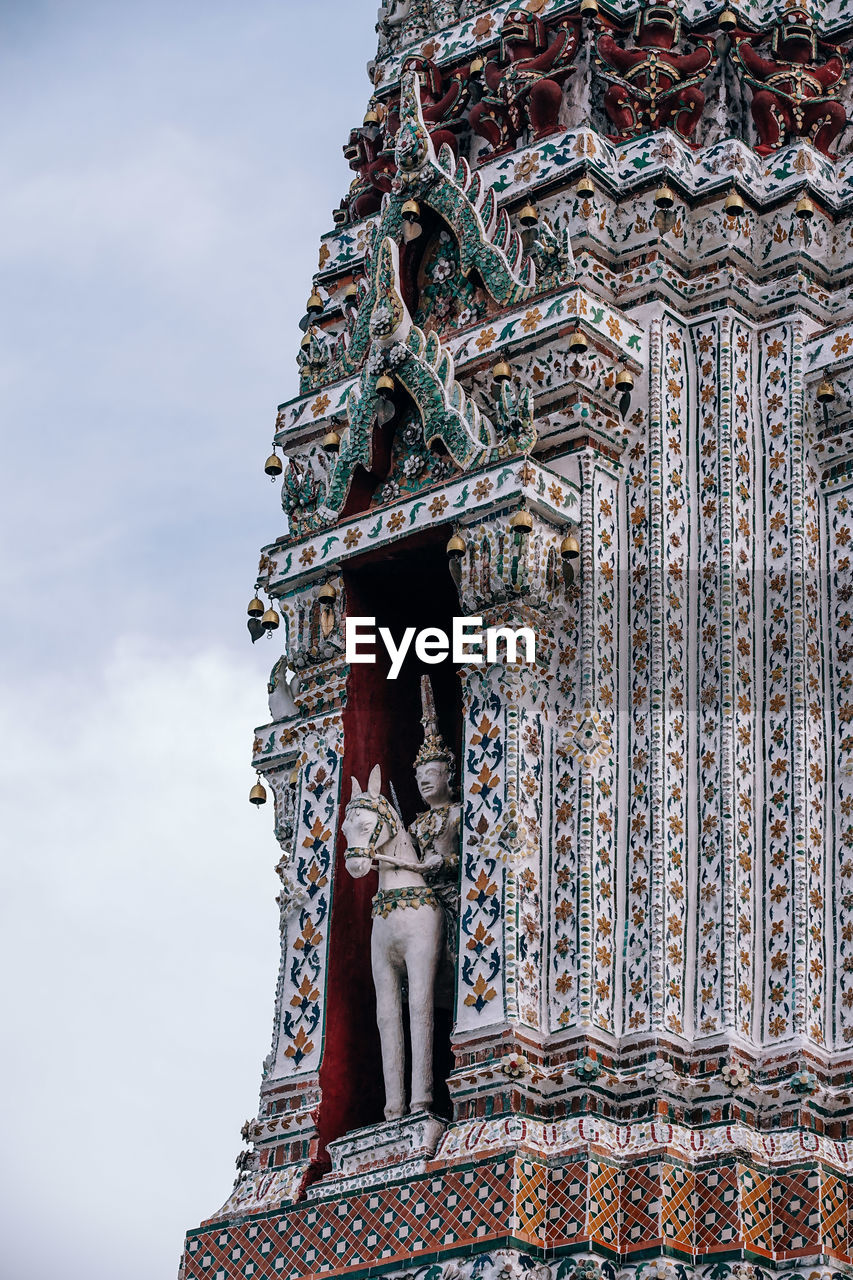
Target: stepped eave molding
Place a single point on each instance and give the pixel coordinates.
(304, 417)
(631, 167)
(503, 485)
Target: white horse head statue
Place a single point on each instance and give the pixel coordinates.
(374, 830)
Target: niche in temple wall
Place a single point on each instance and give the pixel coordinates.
(404, 586)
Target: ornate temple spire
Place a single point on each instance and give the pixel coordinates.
(577, 360)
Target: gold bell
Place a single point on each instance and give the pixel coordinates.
(570, 548)
(331, 441)
(734, 206)
(805, 209)
(589, 8)
(256, 608)
(351, 292)
(502, 371)
(315, 305)
(411, 215)
(529, 215)
(585, 188)
(384, 383)
(825, 392)
(273, 465)
(521, 522)
(327, 594)
(727, 20)
(455, 547)
(578, 342)
(371, 116)
(664, 197)
(306, 341)
(270, 621)
(624, 380)
(258, 794)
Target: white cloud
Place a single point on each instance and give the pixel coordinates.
(166, 172)
(138, 938)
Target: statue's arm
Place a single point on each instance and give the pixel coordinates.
(615, 56)
(830, 72)
(689, 63)
(563, 49)
(493, 74)
(753, 61)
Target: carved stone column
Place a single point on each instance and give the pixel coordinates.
(511, 580)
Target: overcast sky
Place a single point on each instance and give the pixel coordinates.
(166, 170)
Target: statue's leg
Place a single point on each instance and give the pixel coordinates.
(489, 121)
(688, 108)
(620, 110)
(422, 958)
(367, 203)
(389, 1019)
(543, 108)
(766, 113)
(440, 136)
(826, 120)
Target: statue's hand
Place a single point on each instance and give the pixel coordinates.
(432, 863)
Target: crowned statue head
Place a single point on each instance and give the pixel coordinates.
(794, 37)
(658, 25)
(522, 34)
(434, 763)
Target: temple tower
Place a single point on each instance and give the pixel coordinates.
(578, 358)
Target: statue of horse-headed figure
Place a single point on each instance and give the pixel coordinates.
(407, 938)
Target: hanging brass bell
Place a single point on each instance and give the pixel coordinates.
(326, 597)
(727, 20)
(455, 547)
(256, 608)
(589, 8)
(521, 522)
(411, 215)
(258, 794)
(294, 776)
(502, 371)
(664, 197)
(371, 117)
(624, 381)
(805, 209)
(273, 465)
(351, 292)
(331, 441)
(270, 621)
(306, 341)
(734, 206)
(570, 548)
(825, 392)
(529, 215)
(315, 305)
(578, 342)
(384, 384)
(585, 189)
